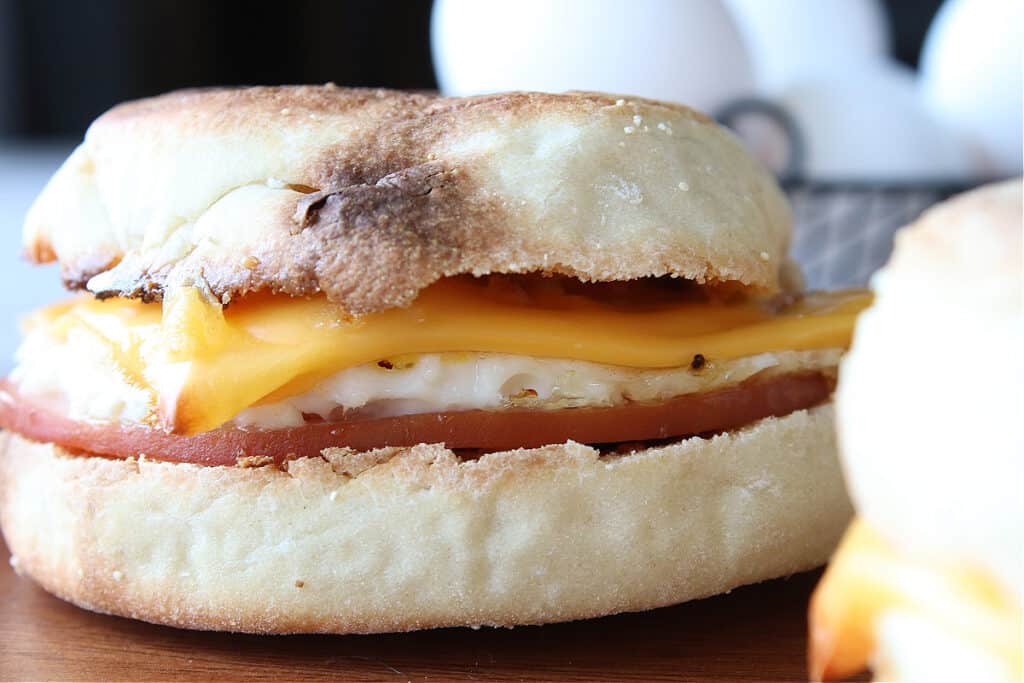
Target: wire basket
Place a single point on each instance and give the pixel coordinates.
(843, 232)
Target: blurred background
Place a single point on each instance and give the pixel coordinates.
(869, 110)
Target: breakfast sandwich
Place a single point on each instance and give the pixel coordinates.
(927, 582)
(361, 361)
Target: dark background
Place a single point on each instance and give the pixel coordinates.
(63, 62)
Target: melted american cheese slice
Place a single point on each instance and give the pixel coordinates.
(206, 363)
(868, 577)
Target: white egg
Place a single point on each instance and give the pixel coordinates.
(687, 52)
(790, 41)
(971, 77)
(871, 125)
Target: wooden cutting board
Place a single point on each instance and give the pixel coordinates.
(754, 633)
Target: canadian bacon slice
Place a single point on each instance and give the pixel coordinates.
(714, 411)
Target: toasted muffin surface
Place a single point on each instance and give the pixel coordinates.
(371, 195)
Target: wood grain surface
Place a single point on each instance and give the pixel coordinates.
(755, 633)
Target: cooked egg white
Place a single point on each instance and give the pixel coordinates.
(192, 364)
(450, 382)
(84, 378)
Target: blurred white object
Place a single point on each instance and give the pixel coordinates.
(872, 125)
(932, 447)
(971, 77)
(688, 52)
(790, 41)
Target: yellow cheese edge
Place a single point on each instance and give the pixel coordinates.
(868, 576)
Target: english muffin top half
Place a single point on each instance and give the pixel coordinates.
(369, 195)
